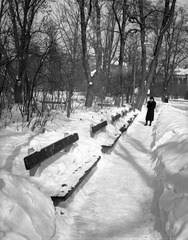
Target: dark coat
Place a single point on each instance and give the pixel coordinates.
(150, 113)
(18, 92)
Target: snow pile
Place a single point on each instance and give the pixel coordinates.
(26, 209)
(25, 212)
(58, 174)
(172, 168)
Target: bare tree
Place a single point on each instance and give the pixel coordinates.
(95, 33)
(5, 56)
(174, 48)
(109, 46)
(167, 17)
(121, 22)
(22, 15)
(84, 23)
(66, 17)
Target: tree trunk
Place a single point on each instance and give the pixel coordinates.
(117, 99)
(147, 80)
(22, 17)
(85, 62)
(69, 102)
(89, 96)
(121, 26)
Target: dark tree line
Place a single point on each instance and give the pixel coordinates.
(127, 43)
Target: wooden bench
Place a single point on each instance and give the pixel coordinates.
(62, 201)
(116, 117)
(124, 113)
(105, 105)
(123, 128)
(33, 161)
(130, 121)
(53, 102)
(98, 127)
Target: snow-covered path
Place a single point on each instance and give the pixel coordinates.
(118, 199)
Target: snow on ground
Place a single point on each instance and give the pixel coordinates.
(119, 195)
(171, 151)
(120, 200)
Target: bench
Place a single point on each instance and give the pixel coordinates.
(33, 161)
(53, 102)
(124, 113)
(62, 201)
(116, 117)
(98, 127)
(132, 119)
(123, 128)
(105, 105)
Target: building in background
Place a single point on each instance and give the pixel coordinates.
(178, 87)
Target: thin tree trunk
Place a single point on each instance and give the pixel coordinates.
(121, 27)
(147, 80)
(89, 97)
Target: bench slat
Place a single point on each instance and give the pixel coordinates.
(38, 157)
(62, 199)
(51, 102)
(116, 117)
(105, 105)
(98, 126)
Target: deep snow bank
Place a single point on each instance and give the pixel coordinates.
(171, 149)
(25, 212)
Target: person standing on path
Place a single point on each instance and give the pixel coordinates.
(151, 104)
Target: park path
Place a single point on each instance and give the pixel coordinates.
(120, 199)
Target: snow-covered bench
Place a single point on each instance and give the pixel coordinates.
(116, 117)
(95, 128)
(105, 105)
(124, 113)
(67, 196)
(33, 161)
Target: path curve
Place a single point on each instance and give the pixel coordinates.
(120, 198)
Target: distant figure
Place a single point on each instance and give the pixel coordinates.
(18, 92)
(150, 112)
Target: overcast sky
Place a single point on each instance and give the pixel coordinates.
(182, 1)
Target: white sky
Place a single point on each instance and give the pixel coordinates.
(182, 1)
(120, 200)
